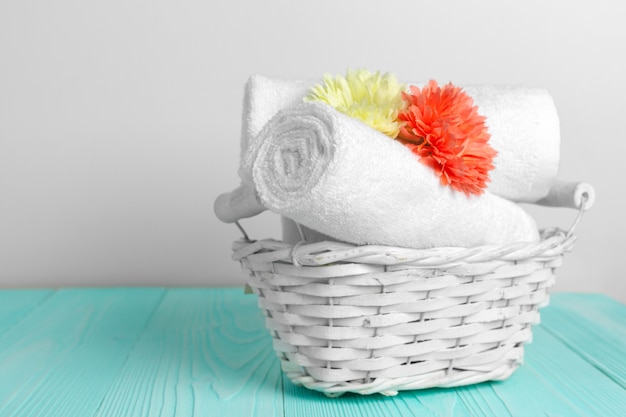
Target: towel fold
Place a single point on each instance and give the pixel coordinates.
(523, 124)
(336, 175)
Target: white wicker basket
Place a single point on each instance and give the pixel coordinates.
(379, 319)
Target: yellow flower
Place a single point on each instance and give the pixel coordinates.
(374, 99)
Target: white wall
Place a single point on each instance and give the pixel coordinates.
(120, 120)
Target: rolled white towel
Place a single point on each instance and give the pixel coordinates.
(338, 176)
(523, 123)
(263, 98)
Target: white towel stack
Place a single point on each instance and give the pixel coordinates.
(523, 123)
(338, 176)
(343, 180)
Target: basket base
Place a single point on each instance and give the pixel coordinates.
(391, 386)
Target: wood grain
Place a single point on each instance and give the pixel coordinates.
(573, 379)
(592, 325)
(61, 358)
(204, 353)
(16, 304)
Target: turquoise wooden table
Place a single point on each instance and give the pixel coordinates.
(205, 352)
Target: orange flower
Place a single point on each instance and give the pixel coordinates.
(442, 126)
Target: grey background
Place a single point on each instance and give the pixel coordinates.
(120, 120)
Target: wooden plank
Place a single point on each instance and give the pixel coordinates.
(136, 352)
(573, 380)
(594, 326)
(16, 304)
(205, 352)
(62, 357)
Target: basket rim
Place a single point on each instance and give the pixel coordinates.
(554, 242)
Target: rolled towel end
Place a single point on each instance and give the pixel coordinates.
(570, 194)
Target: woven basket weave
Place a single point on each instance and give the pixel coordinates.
(379, 319)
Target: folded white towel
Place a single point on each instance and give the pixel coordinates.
(523, 124)
(338, 176)
(524, 128)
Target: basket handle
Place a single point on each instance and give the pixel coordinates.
(578, 195)
(238, 204)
